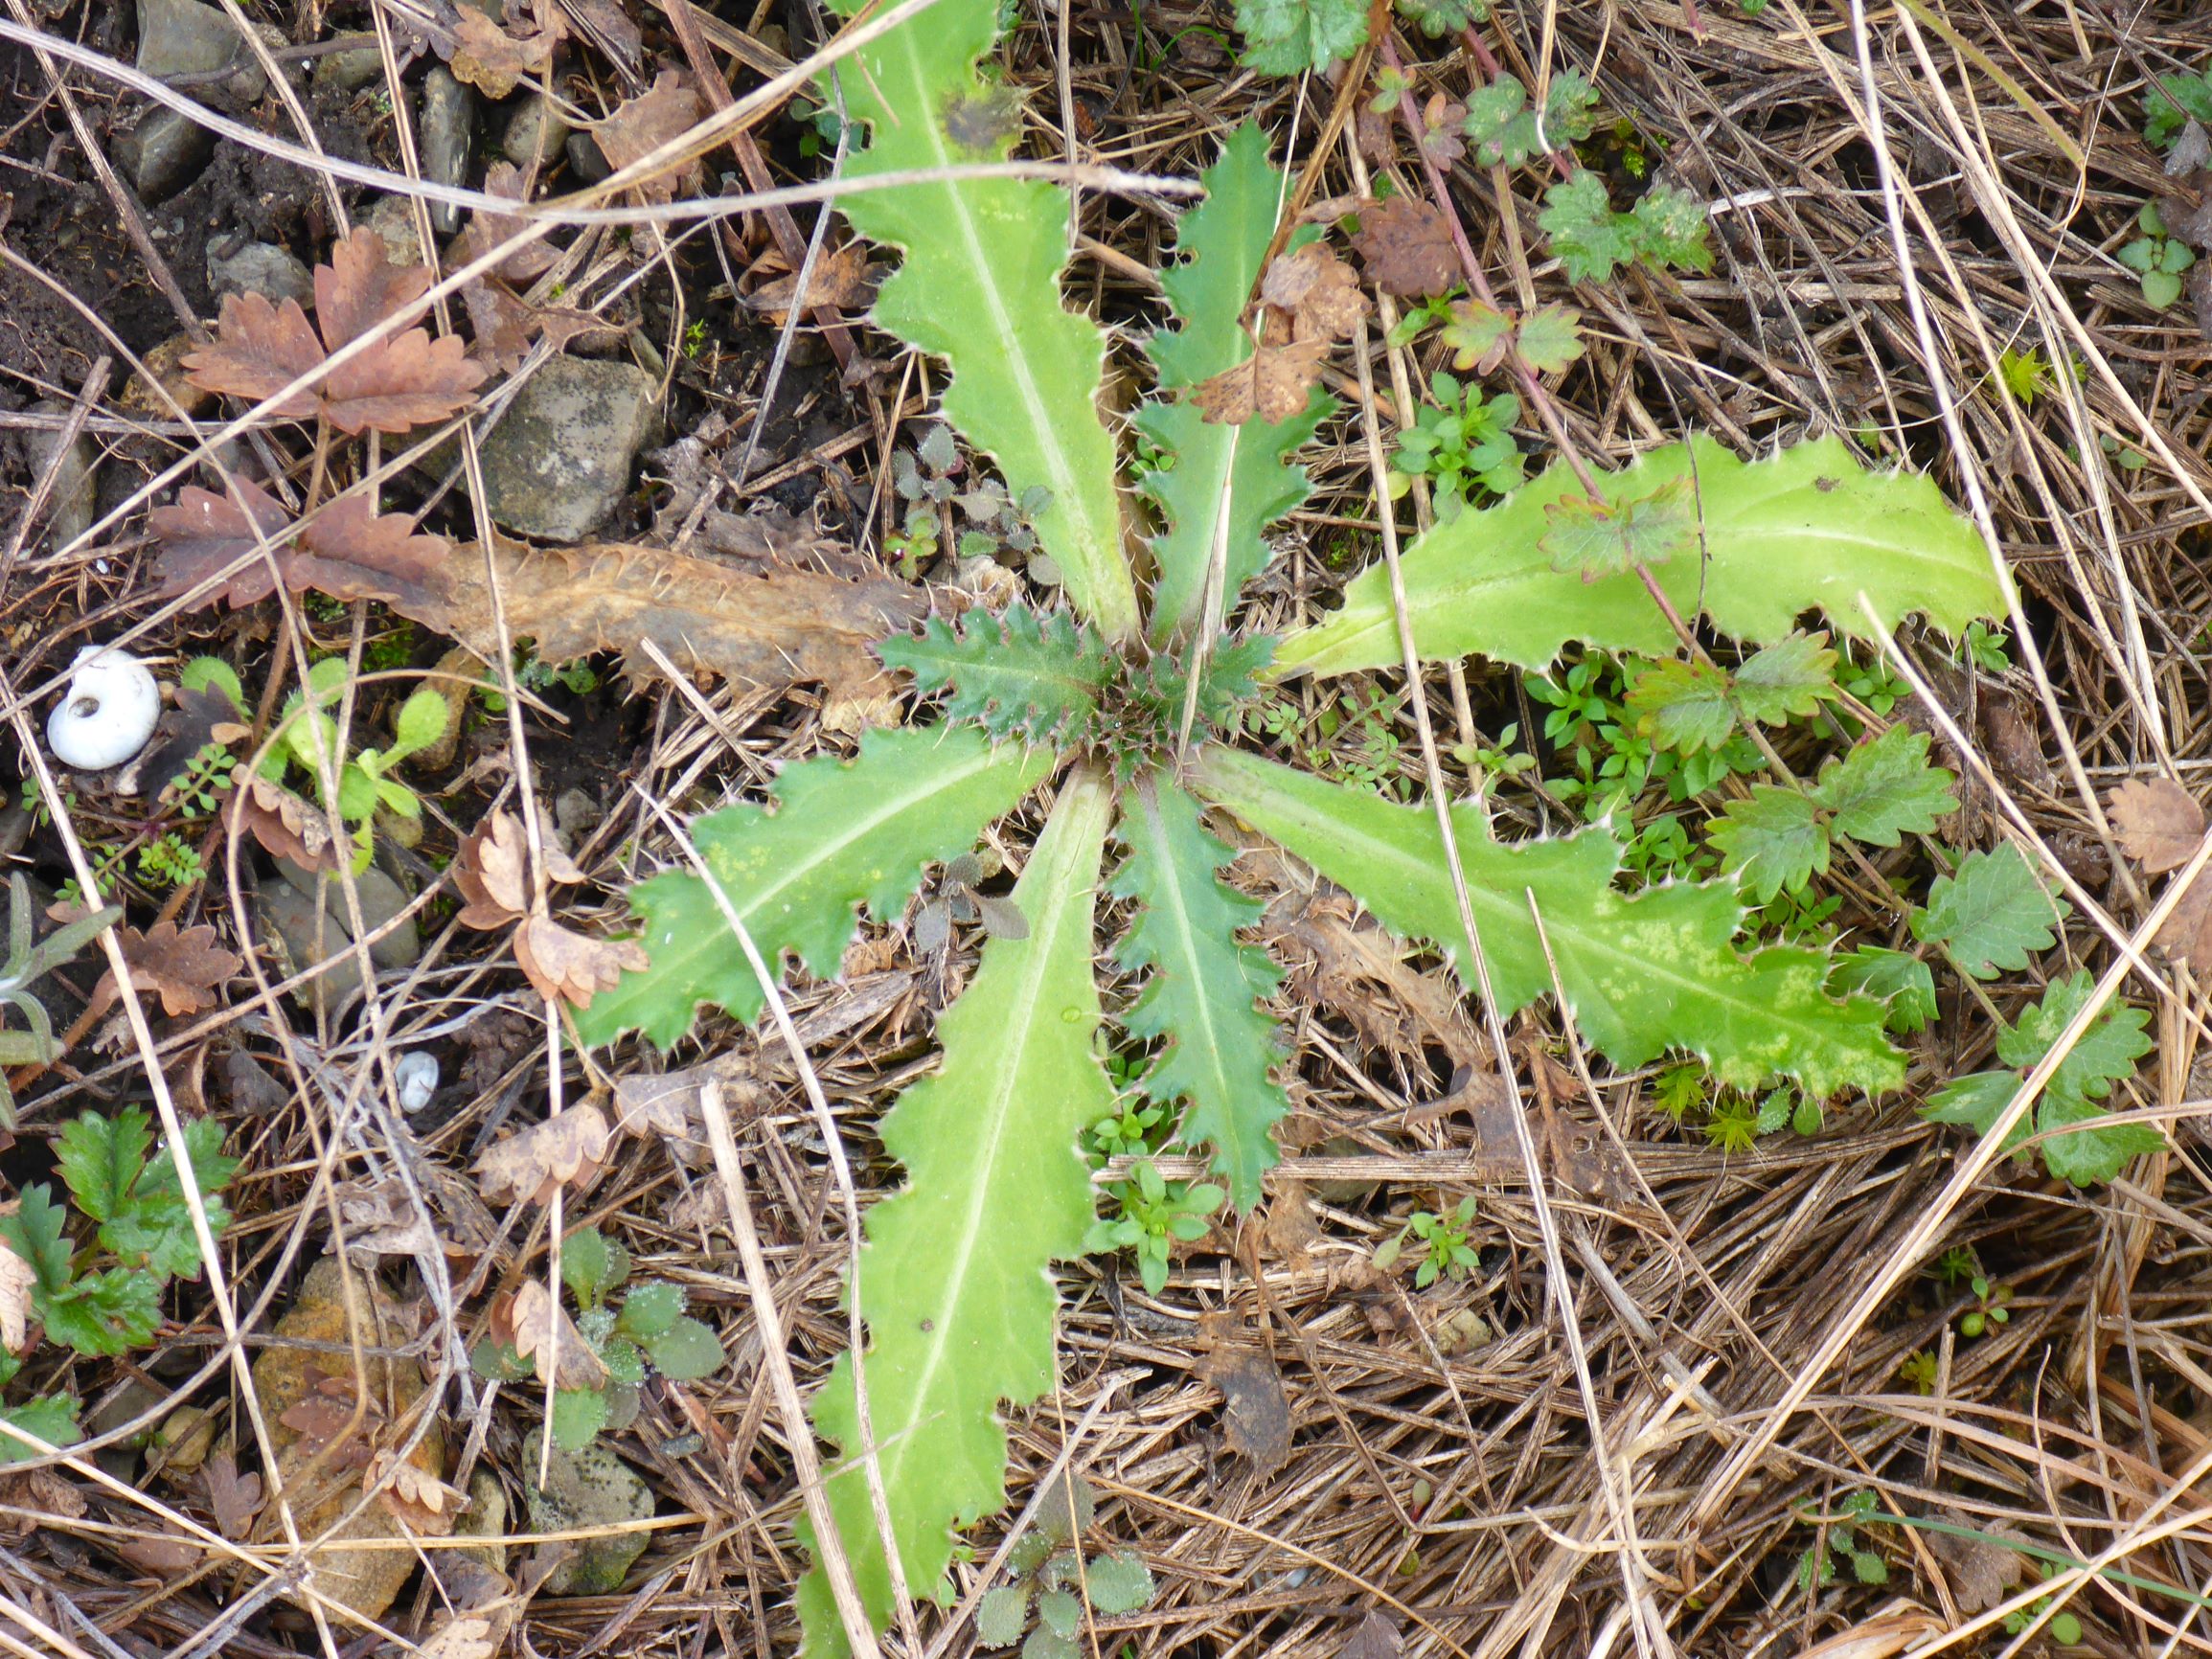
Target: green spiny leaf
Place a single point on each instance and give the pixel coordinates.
(2107, 1052)
(1896, 977)
(1014, 676)
(1885, 789)
(952, 1280)
(980, 286)
(1599, 539)
(1644, 974)
(1791, 678)
(1200, 992)
(1804, 528)
(844, 833)
(1222, 241)
(1772, 840)
(1991, 914)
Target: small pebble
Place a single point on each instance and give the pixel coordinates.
(415, 1078)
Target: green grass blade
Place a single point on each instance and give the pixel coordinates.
(980, 286)
(1644, 974)
(1807, 529)
(1222, 242)
(1201, 986)
(844, 833)
(954, 1279)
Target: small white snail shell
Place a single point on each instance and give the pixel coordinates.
(107, 713)
(415, 1076)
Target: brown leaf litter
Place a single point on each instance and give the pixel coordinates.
(2160, 826)
(535, 1163)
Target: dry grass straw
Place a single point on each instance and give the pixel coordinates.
(1670, 1385)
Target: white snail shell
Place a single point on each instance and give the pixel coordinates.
(415, 1076)
(107, 713)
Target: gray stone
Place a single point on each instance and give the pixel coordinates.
(535, 132)
(349, 70)
(559, 461)
(74, 501)
(163, 153)
(585, 159)
(185, 38)
(393, 217)
(591, 1488)
(448, 129)
(259, 268)
(313, 934)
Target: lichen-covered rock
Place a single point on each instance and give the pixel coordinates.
(586, 1489)
(337, 1306)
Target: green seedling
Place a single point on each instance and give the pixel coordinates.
(1463, 444)
(1151, 1214)
(1838, 1535)
(1049, 1584)
(2158, 260)
(367, 793)
(30, 961)
(1444, 1250)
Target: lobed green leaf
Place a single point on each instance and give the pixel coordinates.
(953, 1281)
(1201, 986)
(1015, 676)
(1642, 974)
(1991, 914)
(1772, 840)
(1804, 529)
(1884, 790)
(844, 833)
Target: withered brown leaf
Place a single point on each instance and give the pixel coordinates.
(1318, 290)
(1407, 246)
(535, 1163)
(493, 872)
(1374, 1637)
(1257, 1413)
(286, 826)
(562, 962)
(2159, 823)
(642, 125)
(406, 379)
(1274, 383)
(491, 59)
(184, 965)
(548, 1338)
(838, 279)
(414, 1496)
(348, 550)
(232, 1498)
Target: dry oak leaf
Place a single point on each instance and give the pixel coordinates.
(548, 1338)
(1318, 290)
(1407, 246)
(2159, 823)
(17, 1278)
(493, 872)
(535, 1163)
(405, 380)
(348, 550)
(184, 965)
(493, 61)
(562, 962)
(642, 125)
(416, 1498)
(465, 1635)
(773, 625)
(288, 826)
(1274, 383)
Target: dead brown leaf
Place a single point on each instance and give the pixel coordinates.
(769, 626)
(465, 1635)
(407, 379)
(1374, 1637)
(493, 872)
(335, 1423)
(1274, 383)
(562, 962)
(44, 1495)
(286, 826)
(532, 1164)
(232, 1498)
(2159, 823)
(416, 1498)
(491, 59)
(1982, 1571)
(161, 1550)
(1257, 1413)
(185, 966)
(2187, 936)
(488, 230)
(548, 1338)
(1357, 971)
(1291, 1232)
(1319, 292)
(643, 123)
(1406, 247)
(839, 279)
(348, 550)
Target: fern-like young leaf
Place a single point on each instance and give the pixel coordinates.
(843, 834)
(1026, 371)
(1221, 242)
(1643, 974)
(1804, 529)
(1200, 985)
(954, 1279)
(1038, 679)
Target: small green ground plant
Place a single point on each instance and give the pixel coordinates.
(1049, 1583)
(102, 1295)
(1134, 714)
(647, 1333)
(368, 795)
(30, 960)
